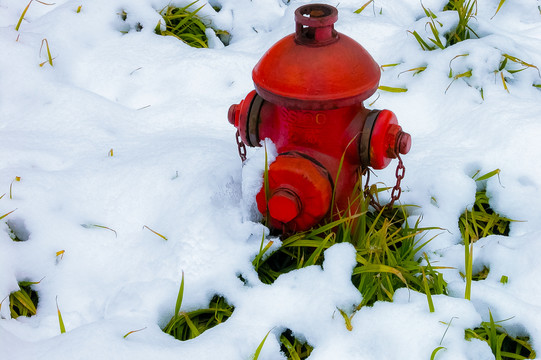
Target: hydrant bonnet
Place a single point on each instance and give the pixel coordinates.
(345, 73)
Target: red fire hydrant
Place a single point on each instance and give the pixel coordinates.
(308, 100)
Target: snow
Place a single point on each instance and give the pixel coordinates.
(161, 108)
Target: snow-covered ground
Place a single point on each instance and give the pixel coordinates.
(161, 107)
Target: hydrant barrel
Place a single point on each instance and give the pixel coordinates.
(308, 99)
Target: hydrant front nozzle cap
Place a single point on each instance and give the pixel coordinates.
(284, 205)
(403, 142)
(231, 114)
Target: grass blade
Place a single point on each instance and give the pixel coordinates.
(427, 292)
(498, 9)
(157, 233)
(88, 226)
(195, 332)
(379, 268)
(392, 89)
(49, 57)
(22, 297)
(489, 175)
(258, 350)
(433, 355)
(180, 295)
(347, 319)
(17, 178)
(290, 348)
(6, 214)
(133, 331)
(22, 16)
(262, 251)
(60, 320)
(360, 10)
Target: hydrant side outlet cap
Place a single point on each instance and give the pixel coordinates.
(300, 193)
(319, 75)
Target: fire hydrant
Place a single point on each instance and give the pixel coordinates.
(309, 89)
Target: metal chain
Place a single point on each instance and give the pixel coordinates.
(395, 192)
(400, 173)
(241, 146)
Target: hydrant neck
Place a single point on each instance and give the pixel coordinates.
(315, 25)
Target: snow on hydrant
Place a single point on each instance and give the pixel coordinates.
(308, 99)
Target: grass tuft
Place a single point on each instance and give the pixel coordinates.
(293, 348)
(503, 345)
(466, 10)
(482, 220)
(387, 247)
(188, 325)
(477, 223)
(185, 25)
(23, 302)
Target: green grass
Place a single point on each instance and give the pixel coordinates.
(503, 345)
(184, 24)
(21, 18)
(293, 348)
(6, 214)
(49, 57)
(387, 252)
(23, 302)
(60, 320)
(477, 223)
(188, 325)
(16, 179)
(255, 356)
(360, 10)
(482, 220)
(466, 10)
(512, 65)
(155, 232)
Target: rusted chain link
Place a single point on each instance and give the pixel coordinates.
(395, 192)
(241, 146)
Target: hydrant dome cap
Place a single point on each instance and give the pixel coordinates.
(329, 71)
